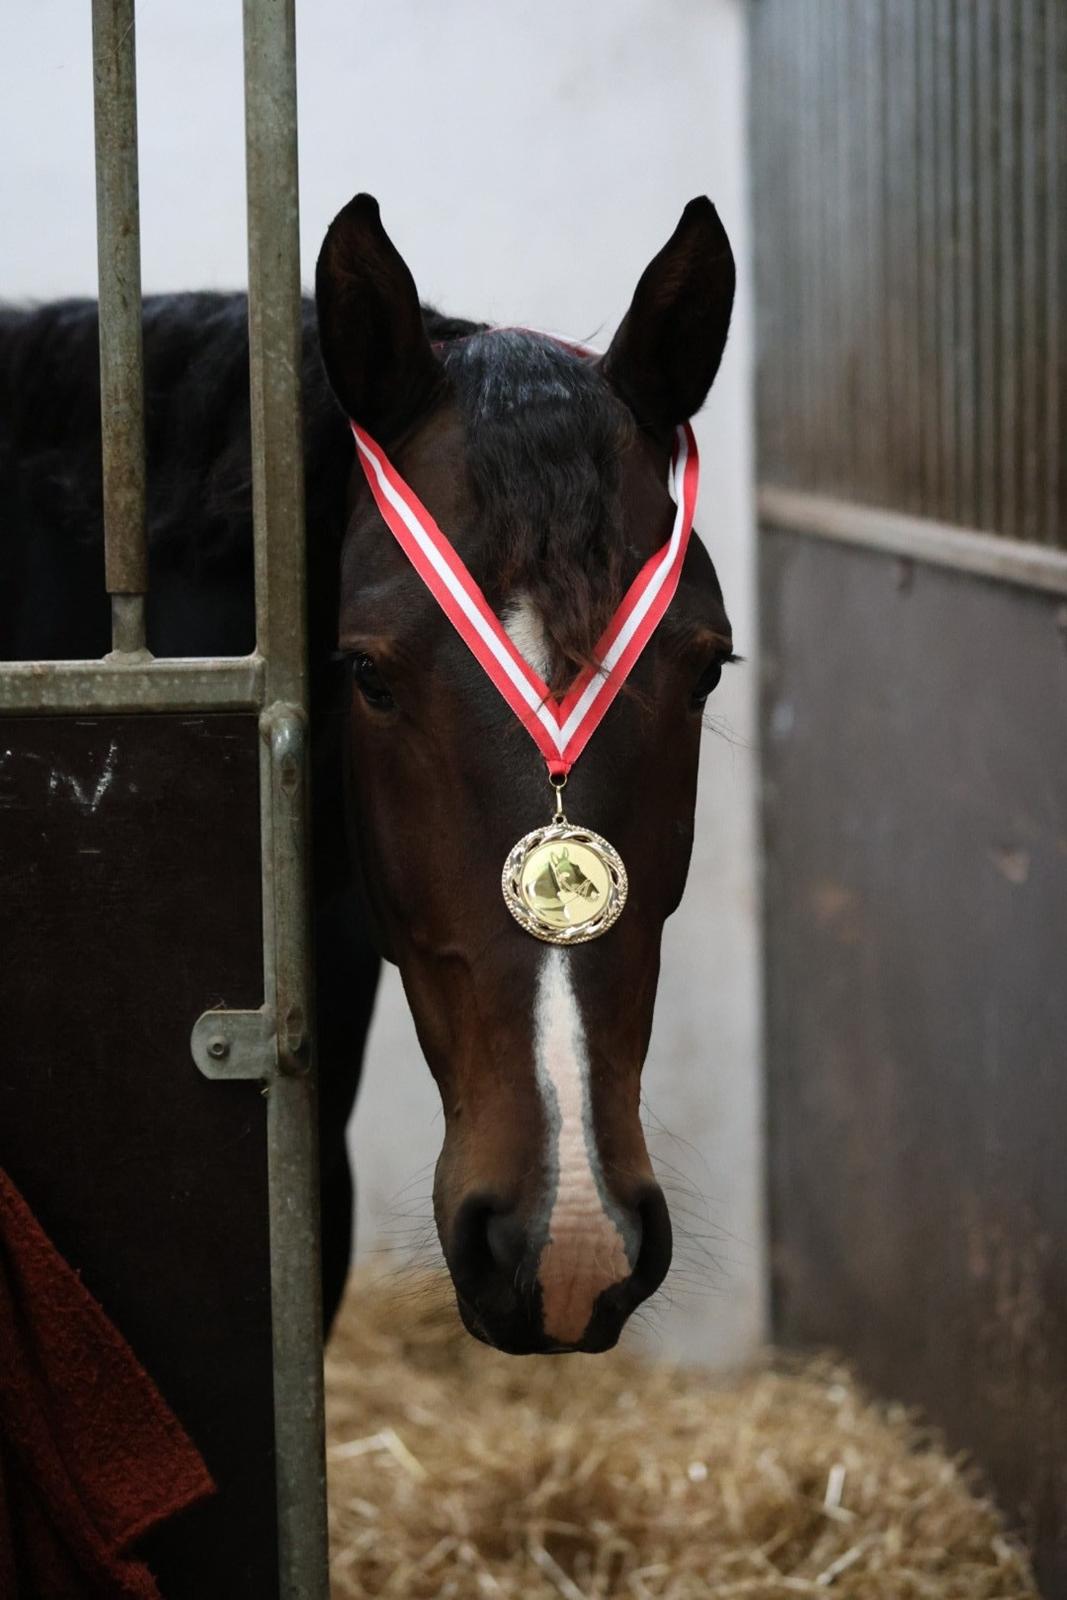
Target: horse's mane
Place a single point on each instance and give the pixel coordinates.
(196, 419)
(198, 448)
(550, 535)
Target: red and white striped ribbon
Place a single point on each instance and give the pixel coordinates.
(561, 729)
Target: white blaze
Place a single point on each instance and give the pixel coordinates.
(585, 1253)
(523, 626)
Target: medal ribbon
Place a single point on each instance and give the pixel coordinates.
(561, 729)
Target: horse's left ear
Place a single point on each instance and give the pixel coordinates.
(667, 351)
(374, 345)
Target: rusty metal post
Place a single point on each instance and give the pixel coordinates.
(275, 340)
(118, 245)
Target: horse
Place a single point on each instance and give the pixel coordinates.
(548, 468)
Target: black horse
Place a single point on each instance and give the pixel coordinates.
(548, 469)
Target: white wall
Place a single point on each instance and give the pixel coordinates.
(529, 160)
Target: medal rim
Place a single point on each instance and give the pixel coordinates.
(582, 932)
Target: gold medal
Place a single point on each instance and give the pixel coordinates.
(563, 883)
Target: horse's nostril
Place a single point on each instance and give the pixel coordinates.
(507, 1242)
(471, 1255)
(654, 1255)
(489, 1240)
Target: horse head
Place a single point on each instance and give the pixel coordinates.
(563, 878)
(548, 471)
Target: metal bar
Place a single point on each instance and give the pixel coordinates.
(275, 340)
(931, 466)
(118, 245)
(1032, 179)
(275, 337)
(292, 1166)
(940, 544)
(127, 625)
(965, 187)
(893, 157)
(1056, 273)
(120, 685)
(987, 278)
(947, 244)
(1008, 197)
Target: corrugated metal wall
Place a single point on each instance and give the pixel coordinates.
(910, 240)
(911, 251)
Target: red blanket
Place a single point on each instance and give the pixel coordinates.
(91, 1456)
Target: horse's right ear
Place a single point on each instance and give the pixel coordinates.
(374, 345)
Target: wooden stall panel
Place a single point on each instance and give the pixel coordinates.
(916, 827)
(129, 848)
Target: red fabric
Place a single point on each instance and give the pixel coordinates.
(91, 1456)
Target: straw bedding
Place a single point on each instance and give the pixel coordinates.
(457, 1472)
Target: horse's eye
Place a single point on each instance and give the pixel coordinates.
(707, 681)
(370, 682)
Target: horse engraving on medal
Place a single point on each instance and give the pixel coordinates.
(564, 884)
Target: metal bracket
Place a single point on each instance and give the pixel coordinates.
(235, 1045)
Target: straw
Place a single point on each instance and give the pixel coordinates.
(456, 1471)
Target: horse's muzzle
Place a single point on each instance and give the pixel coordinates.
(494, 1260)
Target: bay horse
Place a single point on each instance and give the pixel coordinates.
(548, 468)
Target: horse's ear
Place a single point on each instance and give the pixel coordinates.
(667, 351)
(374, 345)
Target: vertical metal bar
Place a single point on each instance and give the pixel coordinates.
(897, 218)
(809, 262)
(118, 245)
(852, 123)
(1008, 266)
(823, 175)
(930, 423)
(1028, 354)
(274, 313)
(769, 381)
(987, 335)
(836, 28)
(945, 154)
(777, 229)
(873, 255)
(966, 187)
(278, 500)
(292, 1164)
(1055, 272)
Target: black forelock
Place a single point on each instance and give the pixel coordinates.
(545, 437)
